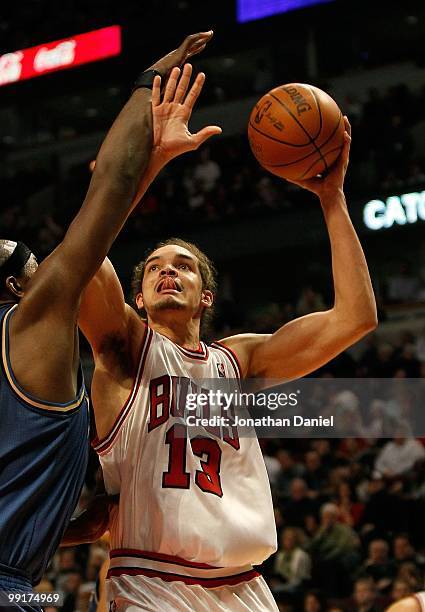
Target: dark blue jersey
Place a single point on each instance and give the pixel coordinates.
(43, 458)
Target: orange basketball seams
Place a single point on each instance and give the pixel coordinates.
(296, 131)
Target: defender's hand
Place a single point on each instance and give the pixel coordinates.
(193, 44)
(333, 181)
(171, 135)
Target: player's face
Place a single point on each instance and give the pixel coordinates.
(172, 281)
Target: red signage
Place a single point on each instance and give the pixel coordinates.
(60, 54)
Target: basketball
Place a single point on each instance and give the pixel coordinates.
(296, 131)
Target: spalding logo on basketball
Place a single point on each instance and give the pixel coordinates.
(296, 131)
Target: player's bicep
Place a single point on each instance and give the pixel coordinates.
(302, 346)
(103, 312)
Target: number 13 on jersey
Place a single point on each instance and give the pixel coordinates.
(209, 452)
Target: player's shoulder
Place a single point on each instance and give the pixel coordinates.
(409, 604)
(243, 345)
(243, 341)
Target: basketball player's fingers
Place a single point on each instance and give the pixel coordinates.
(194, 92)
(195, 43)
(183, 83)
(345, 153)
(206, 132)
(156, 91)
(197, 49)
(170, 88)
(347, 125)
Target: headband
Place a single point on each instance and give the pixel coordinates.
(14, 265)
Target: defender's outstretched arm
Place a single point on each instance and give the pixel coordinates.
(45, 321)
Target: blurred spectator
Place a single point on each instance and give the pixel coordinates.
(383, 366)
(403, 286)
(314, 601)
(403, 550)
(268, 195)
(410, 573)
(399, 455)
(350, 510)
(292, 564)
(334, 550)
(299, 505)
(378, 564)
(70, 587)
(323, 447)
(315, 474)
(364, 596)
(408, 362)
(207, 171)
(400, 589)
(289, 470)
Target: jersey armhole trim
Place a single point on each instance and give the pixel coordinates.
(23, 395)
(104, 444)
(231, 355)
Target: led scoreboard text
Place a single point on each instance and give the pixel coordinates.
(405, 209)
(60, 54)
(248, 10)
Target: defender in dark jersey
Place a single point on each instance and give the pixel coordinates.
(43, 405)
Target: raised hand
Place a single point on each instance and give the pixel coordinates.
(193, 44)
(334, 179)
(171, 135)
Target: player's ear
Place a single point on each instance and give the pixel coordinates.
(14, 286)
(139, 301)
(207, 298)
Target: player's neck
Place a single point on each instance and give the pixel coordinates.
(185, 333)
(7, 300)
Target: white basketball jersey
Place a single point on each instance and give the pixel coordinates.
(420, 598)
(205, 498)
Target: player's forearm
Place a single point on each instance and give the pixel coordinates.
(124, 169)
(125, 153)
(354, 297)
(121, 164)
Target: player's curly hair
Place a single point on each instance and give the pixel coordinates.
(206, 269)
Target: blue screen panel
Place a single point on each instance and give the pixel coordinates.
(248, 10)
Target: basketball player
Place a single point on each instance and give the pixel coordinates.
(413, 603)
(44, 407)
(195, 514)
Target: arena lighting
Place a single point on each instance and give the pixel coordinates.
(400, 210)
(248, 10)
(60, 54)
